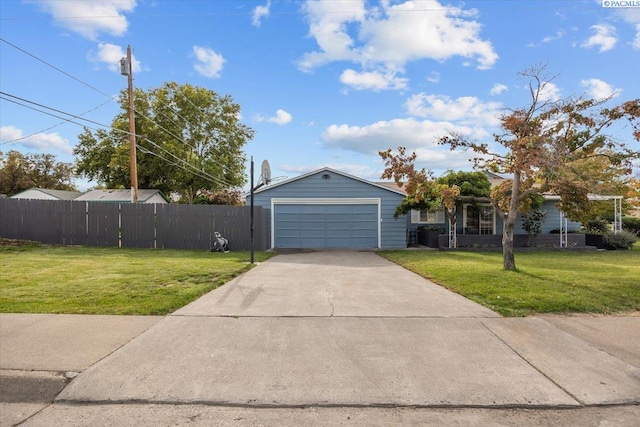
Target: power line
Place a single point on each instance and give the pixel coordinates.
(103, 93)
(175, 136)
(193, 169)
(56, 68)
(52, 127)
(75, 116)
(219, 180)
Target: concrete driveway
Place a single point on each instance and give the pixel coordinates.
(350, 329)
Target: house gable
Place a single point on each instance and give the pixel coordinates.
(328, 187)
(123, 196)
(46, 194)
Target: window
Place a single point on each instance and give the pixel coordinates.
(427, 217)
(479, 219)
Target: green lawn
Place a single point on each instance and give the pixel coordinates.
(546, 282)
(43, 279)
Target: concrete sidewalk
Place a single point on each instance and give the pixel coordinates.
(344, 336)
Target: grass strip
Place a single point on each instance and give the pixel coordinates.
(546, 282)
(86, 280)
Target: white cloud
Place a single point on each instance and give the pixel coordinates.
(630, 16)
(208, 63)
(373, 80)
(111, 54)
(465, 110)
(89, 18)
(550, 92)
(599, 89)
(418, 136)
(260, 12)
(605, 37)
(409, 133)
(498, 88)
(45, 142)
(281, 118)
(434, 77)
(557, 36)
(391, 35)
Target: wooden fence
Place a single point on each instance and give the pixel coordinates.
(173, 226)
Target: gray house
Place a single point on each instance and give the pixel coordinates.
(46, 194)
(123, 196)
(331, 209)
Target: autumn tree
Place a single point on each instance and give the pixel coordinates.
(633, 192)
(190, 140)
(222, 197)
(540, 146)
(421, 193)
(19, 172)
(425, 192)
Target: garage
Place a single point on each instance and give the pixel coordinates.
(329, 209)
(325, 223)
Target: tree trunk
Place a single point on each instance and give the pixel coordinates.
(453, 238)
(508, 257)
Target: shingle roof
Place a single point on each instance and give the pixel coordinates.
(58, 194)
(328, 169)
(118, 195)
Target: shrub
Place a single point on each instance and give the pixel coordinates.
(621, 240)
(597, 226)
(631, 225)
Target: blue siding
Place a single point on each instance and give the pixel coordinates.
(552, 221)
(393, 233)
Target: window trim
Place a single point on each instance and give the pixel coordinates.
(438, 214)
(464, 218)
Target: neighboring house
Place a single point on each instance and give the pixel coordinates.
(331, 209)
(44, 194)
(123, 196)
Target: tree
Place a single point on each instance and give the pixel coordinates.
(190, 139)
(633, 192)
(540, 145)
(222, 197)
(425, 192)
(19, 172)
(421, 194)
(602, 177)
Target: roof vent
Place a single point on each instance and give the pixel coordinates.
(326, 176)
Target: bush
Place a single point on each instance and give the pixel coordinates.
(597, 226)
(621, 240)
(631, 224)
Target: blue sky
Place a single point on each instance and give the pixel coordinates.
(322, 82)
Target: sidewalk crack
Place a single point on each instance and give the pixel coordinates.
(329, 296)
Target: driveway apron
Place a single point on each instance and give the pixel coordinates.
(346, 328)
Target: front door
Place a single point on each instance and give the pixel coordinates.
(479, 219)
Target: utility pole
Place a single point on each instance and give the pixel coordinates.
(252, 228)
(126, 69)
